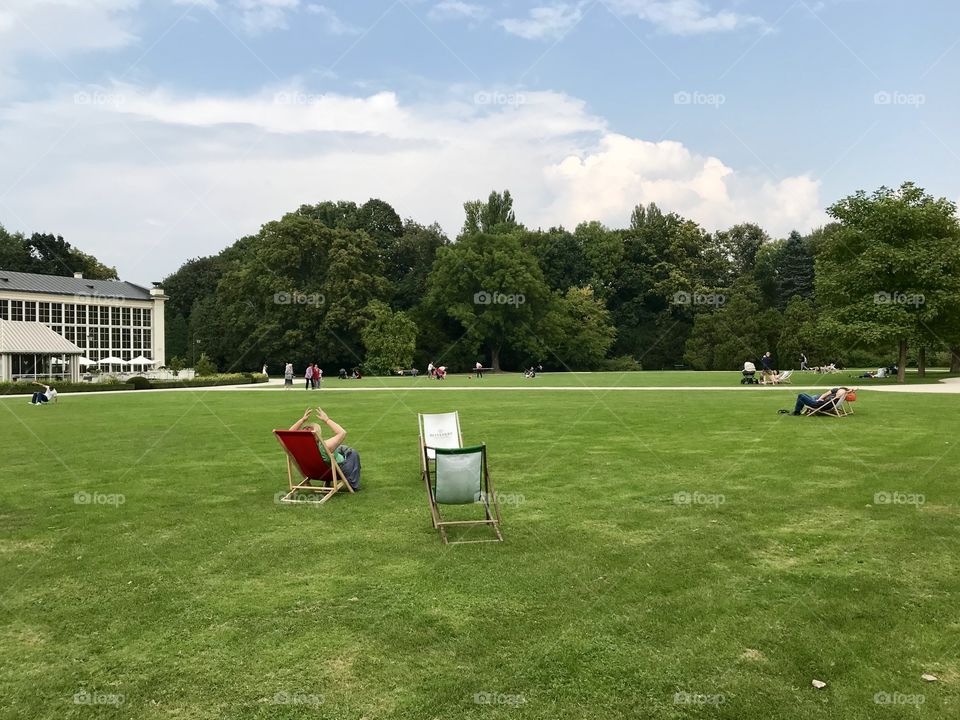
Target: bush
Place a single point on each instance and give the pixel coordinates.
(623, 363)
(205, 366)
(140, 383)
(25, 388)
(175, 365)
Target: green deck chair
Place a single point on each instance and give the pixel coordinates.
(460, 476)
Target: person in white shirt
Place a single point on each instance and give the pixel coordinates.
(48, 394)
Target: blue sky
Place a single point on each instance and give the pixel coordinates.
(151, 131)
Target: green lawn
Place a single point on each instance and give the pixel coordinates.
(199, 596)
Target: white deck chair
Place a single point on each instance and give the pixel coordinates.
(785, 377)
(438, 430)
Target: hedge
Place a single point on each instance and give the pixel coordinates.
(136, 383)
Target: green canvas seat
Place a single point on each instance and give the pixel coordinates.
(459, 476)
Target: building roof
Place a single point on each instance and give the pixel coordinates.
(33, 337)
(57, 285)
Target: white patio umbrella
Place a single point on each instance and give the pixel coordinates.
(141, 360)
(84, 360)
(112, 360)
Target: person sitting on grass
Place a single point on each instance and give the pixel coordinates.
(834, 396)
(48, 394)
(347, 458)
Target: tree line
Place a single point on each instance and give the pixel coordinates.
(352, 285)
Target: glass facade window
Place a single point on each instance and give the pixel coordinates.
(125, 336)
(104, 338)
(81, 314)
(56, 313)
(137, 339)
(30, 311)
(125, 314)
(147, 317)
(70, 333)
(94, 318)
(114, 316)
(94, 341)
(137, 317)
(147, 343)
(69, 314)
(45, 312)
(4, 309)
(115, 338)
(16, 310)
(104, 315)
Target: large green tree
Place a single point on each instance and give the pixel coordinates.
(889, 271)
(494, 289)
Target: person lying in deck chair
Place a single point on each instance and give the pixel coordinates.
(347, 458)
(832, 397)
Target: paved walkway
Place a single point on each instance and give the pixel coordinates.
(949, 386)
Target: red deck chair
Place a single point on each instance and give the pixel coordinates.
(319, 470)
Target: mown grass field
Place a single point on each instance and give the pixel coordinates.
(667, 554)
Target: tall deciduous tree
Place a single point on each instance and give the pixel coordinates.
(889, 272)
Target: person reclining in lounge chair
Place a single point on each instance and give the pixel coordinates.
(347, 458)
(832, 397)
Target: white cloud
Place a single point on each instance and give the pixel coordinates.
(333, 24)
(547, 21)
(677, 17)
(620, 172)
(683, 17)
(58, 29)
(148, 178)
(457, 10)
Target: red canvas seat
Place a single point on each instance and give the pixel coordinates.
(319, 471)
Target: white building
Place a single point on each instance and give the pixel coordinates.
(100, 318)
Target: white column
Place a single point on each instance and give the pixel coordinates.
(158, 327)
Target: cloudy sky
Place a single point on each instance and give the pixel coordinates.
(148, 132)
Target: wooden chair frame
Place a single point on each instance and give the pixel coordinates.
(332, 481)
(488, 499)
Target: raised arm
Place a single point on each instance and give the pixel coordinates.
(301, 421)
(338, 432)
